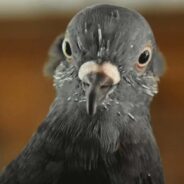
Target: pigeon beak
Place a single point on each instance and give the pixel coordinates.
(96, 89)
(97, 81)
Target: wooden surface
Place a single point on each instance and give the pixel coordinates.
(25, 95)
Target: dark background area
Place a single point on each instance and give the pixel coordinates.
(25, 95)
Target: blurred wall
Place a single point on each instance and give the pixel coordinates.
(25, 95)
(35, 7)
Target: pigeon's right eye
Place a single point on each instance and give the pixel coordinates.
(67, 49)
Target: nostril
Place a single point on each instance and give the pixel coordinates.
(85, 85)
(105, 86)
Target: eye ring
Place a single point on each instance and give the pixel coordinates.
(67, 51)
(144, 58)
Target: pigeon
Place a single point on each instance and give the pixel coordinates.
(105, 69)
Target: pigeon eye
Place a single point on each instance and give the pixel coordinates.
(145, 57)
(67, 49)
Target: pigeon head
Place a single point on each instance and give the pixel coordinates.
(111, 61)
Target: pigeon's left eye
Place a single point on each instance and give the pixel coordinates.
(67, 49)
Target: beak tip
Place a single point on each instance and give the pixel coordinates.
(91, 111)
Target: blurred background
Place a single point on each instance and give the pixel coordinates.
(28, 27)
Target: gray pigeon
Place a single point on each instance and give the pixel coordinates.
(106, 69)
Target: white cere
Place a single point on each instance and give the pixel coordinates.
(107, 68)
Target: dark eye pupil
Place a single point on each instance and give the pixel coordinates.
(68, 49)
(144, 57)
